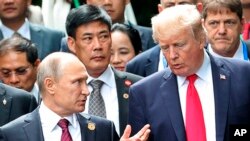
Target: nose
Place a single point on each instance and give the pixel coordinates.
(85, 90)
(97, 44)
(14, 79)
(115, 59)
(173, 54)
(222, 28)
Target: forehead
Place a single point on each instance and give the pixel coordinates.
(220, 12)
(92, 27)
(14, 56)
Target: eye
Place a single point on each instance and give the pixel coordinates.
(164, 48)
(213, 24)
(104, 37)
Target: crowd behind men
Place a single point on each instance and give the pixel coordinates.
(126, 96)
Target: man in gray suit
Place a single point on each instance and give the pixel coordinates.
(64, 91)
(13, 17)
(14, 103)
(89, 38)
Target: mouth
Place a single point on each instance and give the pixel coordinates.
(175, 66)
(9, 9)
(119, 68)
(98, 58)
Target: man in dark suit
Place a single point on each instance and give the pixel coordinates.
(64, 91)
(152, 60)
(89, 38)
(163, 99)
(13, 18)
(14, 103)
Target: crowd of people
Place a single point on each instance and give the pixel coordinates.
(98, 77)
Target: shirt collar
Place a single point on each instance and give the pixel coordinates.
(202, 72)
(50, 118)
(24, 30)
(107, 77)
(238, 54)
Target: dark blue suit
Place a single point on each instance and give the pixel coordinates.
(46, 40)
(145, 63)
(146, 37)
(155, 100)
(29, 128)
(14, 103)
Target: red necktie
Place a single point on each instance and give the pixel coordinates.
(246, 31)
(195, 125)
(64, 123)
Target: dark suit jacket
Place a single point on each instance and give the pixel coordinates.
(145, 63)
(146, 37)
(155, 100)
(121, 79)
(14, 103)
(46, 40)
(28, 128)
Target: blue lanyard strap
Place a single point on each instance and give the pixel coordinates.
(245, 52)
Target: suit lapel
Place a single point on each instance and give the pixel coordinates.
(153, 61)
(5, 105)
(170, 94)
(221, 81)
(86, 128)
(33, 127)
(122, 91)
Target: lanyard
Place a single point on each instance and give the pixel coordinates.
(245, 53)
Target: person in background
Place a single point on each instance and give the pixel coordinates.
(34, 14)
(126, 44)
(199, 96)
(153, 60)
(246, 14)
(14, 103)
(18, 64)
(13, 15)
(64, 91)
(116, 10)
(223, 22)
(89, 38)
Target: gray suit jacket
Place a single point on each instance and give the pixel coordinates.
(14, 103)
(28, 128)
(46, 40)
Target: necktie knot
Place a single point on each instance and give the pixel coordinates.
(192, 78)
(96, 84)
(63, 123)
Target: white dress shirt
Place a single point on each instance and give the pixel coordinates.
(238, 54)
(24, 30)
(35, 92)
(109, 94)
(204, 87)
(51, 131)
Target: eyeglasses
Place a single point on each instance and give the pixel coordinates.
(19, 71)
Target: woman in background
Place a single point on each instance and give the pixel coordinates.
(126, 44)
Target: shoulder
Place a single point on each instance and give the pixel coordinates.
(40, 28)
(14, 91)
(126, 75)
(142, 28)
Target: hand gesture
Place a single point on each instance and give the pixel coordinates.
(142, 135)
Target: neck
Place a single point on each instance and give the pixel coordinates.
(13, 24)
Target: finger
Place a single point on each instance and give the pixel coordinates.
(145, 136)
(143, 130)
(127, 132)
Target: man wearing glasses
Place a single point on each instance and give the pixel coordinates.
(18, 64)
